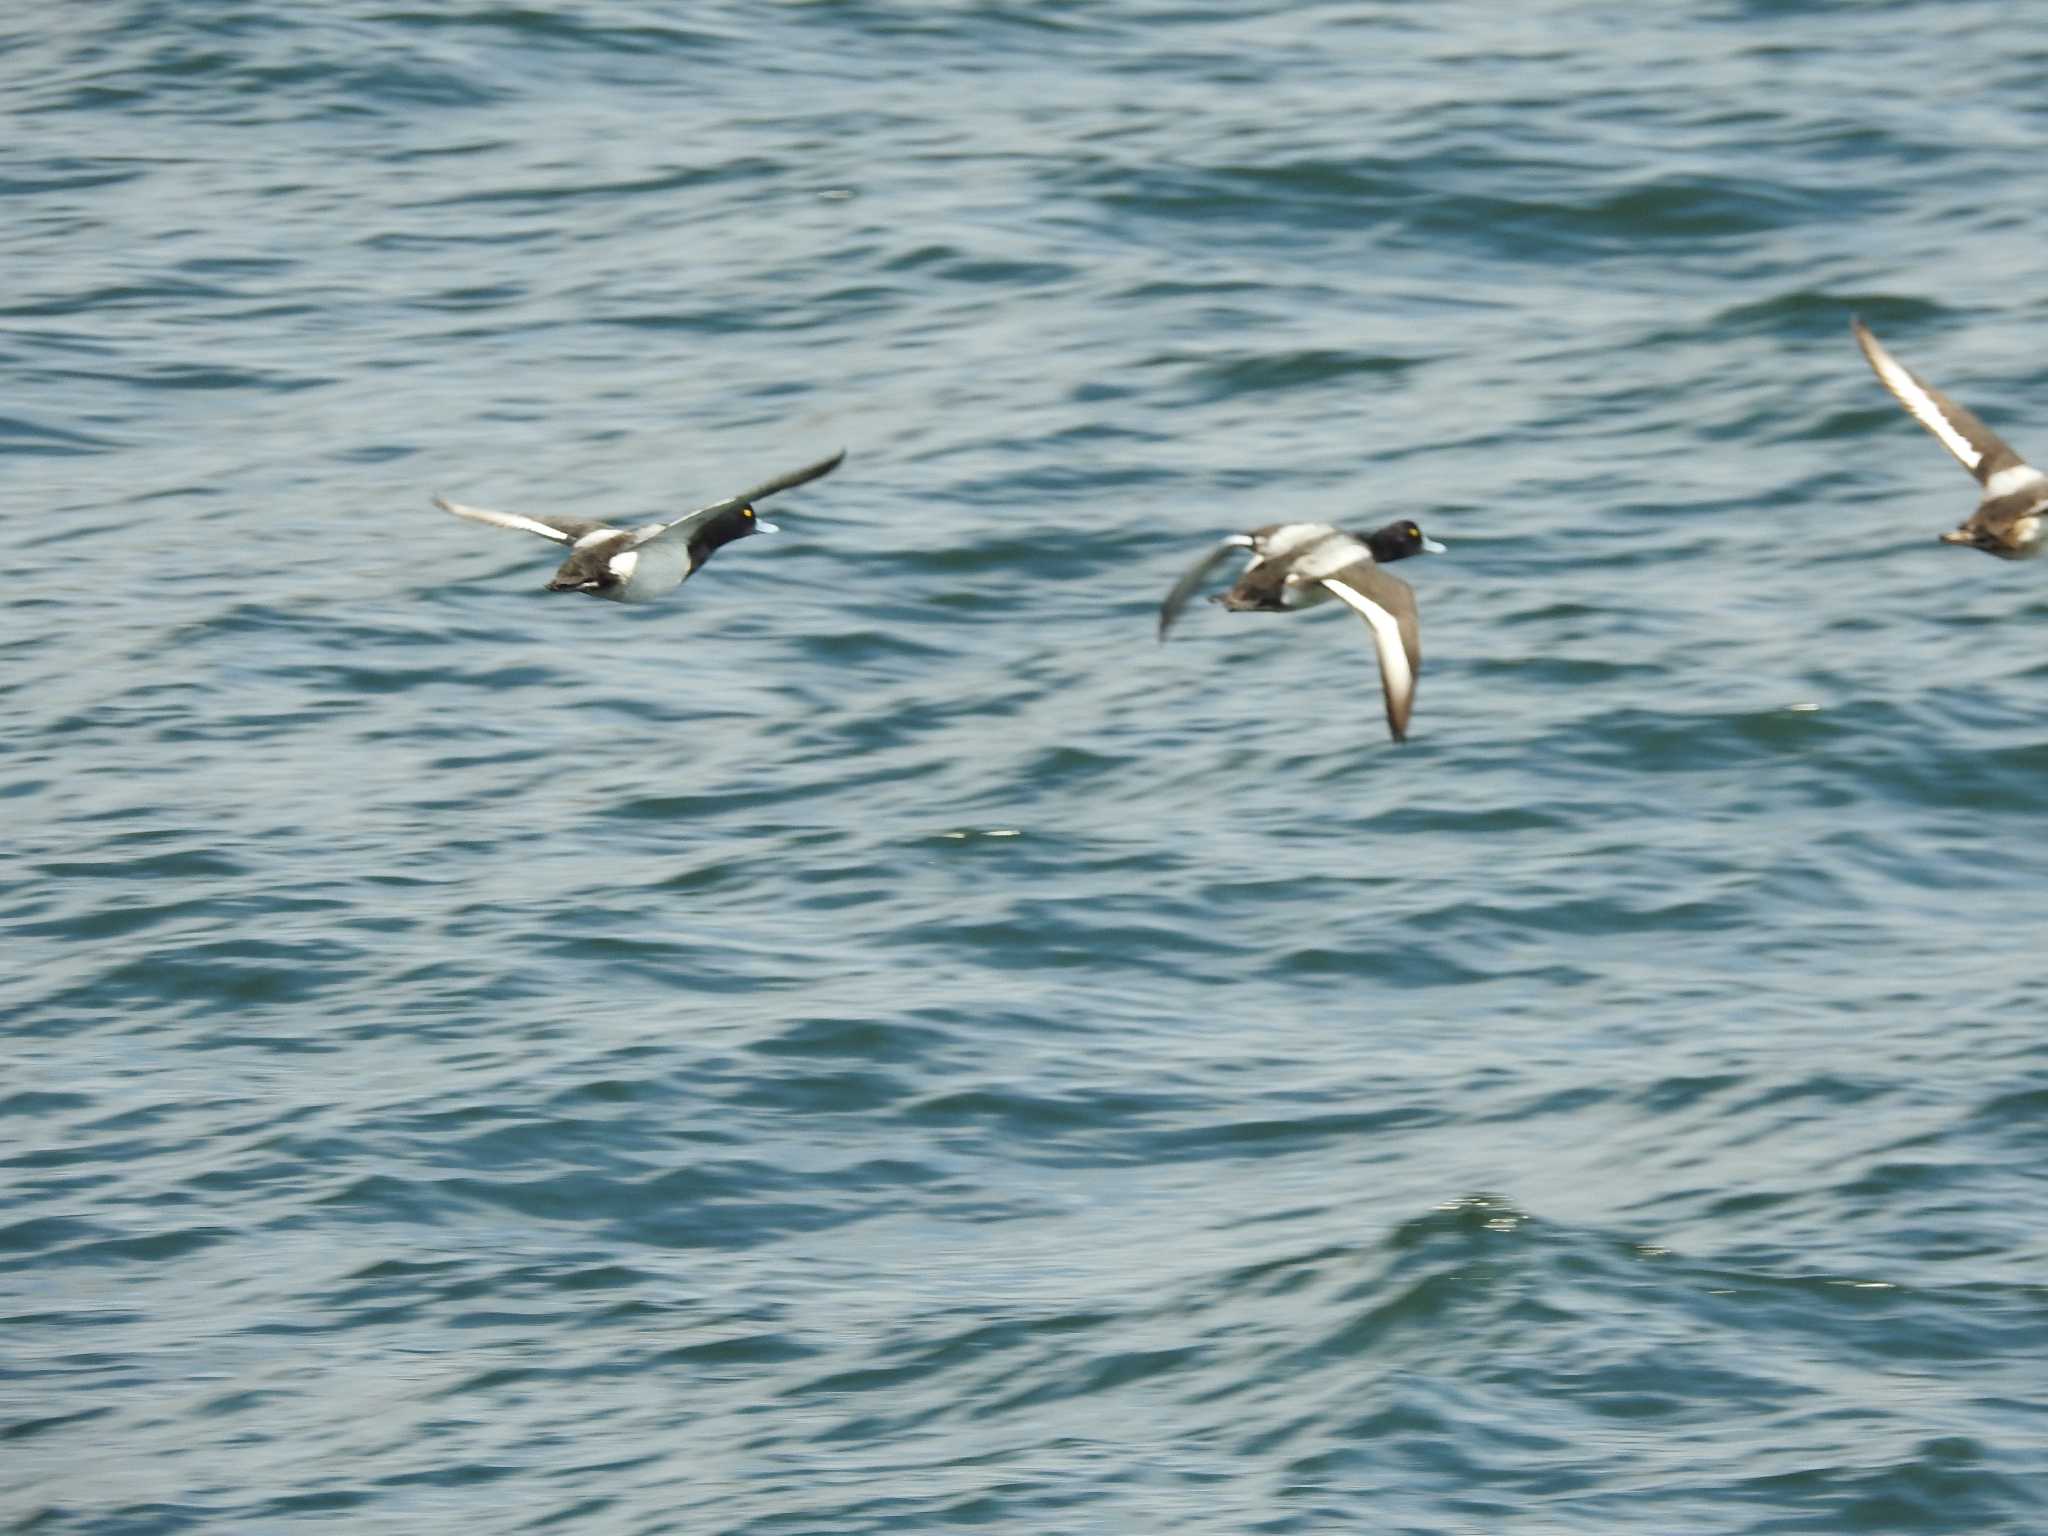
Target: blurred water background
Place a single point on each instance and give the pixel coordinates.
(874, 1042)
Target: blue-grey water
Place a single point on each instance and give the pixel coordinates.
(875, 1042)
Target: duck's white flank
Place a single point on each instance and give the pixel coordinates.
(2015, 478)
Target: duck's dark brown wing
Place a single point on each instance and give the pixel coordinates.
(1387, 604)
(562, 530)
(1186, 587)
(1981, 451)
(760, 492)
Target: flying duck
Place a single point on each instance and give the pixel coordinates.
(636, 565)
(2007, 522)
(1297, 565)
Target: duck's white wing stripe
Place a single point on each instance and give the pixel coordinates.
(1979, 449)
(1185, 588)
(1913, 395)
(561, 533)
(1397, 675)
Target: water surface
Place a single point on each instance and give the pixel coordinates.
(875, 1042)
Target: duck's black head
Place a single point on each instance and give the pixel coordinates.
(1397, 541)
(723, 529)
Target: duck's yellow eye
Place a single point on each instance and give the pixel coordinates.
(1414, 532)
(746, 511)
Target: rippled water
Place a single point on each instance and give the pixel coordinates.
(875, 1042)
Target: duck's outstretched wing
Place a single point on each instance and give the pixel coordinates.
(1982, 451)
(760, 492)
(561, 530)
(1184, 589)
(1387, 604)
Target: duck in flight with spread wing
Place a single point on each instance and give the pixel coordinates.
(1297, 565)
(2007, 522)
(636, 565)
